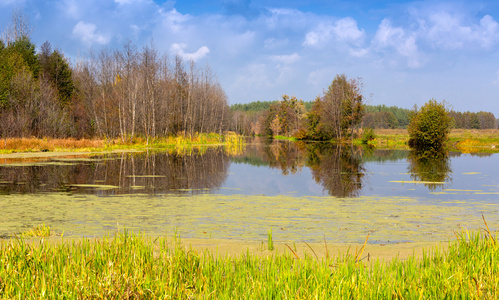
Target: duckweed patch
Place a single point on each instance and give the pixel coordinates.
(246, 217)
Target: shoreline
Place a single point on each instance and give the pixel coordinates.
(237, 248)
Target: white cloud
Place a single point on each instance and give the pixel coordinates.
(489, 33)
(454, 26)
(195, 56)
(174, 20)
(449, 31)
(311, 39)
(389, 37)
(286, 59)
(344, 30)
(86, 32)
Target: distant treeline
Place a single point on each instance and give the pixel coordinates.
(334, 115)
(112, 94)
(375, 116)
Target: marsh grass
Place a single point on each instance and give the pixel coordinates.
(234, 144)
(128, 265)
(281, 137)
(270, 242)
(37, 231)
(180, 143)
(47, 144)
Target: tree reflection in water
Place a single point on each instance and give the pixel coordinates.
(338, 168)
(127, 173)
(431, 168)
(276, 154)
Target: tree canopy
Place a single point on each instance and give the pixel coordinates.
(429, 126)
(338, 111)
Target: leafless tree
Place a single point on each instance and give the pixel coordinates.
(19, 27)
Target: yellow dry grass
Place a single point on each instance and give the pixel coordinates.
(461, 133)
(48, 144)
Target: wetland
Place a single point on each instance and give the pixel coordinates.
(301, 191)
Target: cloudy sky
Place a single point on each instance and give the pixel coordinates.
(406, 52)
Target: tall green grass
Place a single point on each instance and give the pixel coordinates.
(37, 231)
(127, 265)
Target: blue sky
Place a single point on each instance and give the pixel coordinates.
(406, 52)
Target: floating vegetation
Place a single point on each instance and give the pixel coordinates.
(457, 190)
(96, 186)
(417, 182)
(342, 220)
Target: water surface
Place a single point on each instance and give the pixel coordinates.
(301, 191)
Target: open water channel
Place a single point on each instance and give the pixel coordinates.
(303, 192)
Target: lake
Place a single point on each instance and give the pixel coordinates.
(302, 191)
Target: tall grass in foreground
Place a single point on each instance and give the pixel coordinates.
(133, 266)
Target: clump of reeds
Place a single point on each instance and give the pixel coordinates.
(234, 144)
(37, 231)
(134, 266)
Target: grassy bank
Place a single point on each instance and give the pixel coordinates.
(12, 145)
(464, 140)
(133, 266)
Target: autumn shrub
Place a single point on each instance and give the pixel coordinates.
(429, 126)
(368, 135)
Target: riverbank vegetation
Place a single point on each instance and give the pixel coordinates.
(14, 145)
(462, 140)
(123, 94)
(135, 266)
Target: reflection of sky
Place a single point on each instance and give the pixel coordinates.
(473, 178)
(248, 179)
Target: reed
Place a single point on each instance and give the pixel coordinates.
(129, 265)
(37, 231)
(234, 144)
(270, 242)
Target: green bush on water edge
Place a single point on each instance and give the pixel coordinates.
(130, 265)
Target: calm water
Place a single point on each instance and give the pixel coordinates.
(301, 191)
